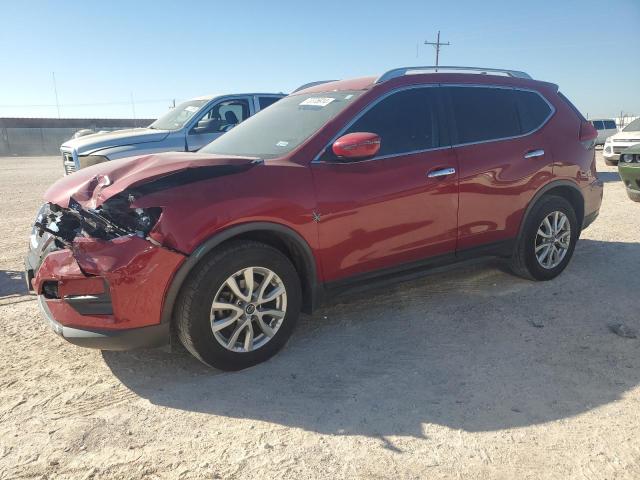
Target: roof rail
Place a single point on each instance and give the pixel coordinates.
(399, 72)
(312, 84)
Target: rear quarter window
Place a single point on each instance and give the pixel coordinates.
(533, 110)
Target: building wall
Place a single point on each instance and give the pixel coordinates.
(43, 136)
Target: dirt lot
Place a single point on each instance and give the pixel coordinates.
(470, 374)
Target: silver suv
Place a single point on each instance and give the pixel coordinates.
(187, 127)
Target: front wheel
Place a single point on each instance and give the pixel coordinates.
(239, 306)
(547, 241)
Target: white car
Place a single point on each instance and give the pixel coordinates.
(605, 127)
(614, 145)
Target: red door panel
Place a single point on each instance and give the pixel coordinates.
(385, 212)
(496, 184)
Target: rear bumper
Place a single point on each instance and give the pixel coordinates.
(131, 339)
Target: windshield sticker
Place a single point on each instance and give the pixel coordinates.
(317, 101)
(192, 108)
(282, 143)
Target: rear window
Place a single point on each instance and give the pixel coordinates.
(598, 124)
(572, 106)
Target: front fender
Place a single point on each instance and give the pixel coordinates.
(303, 249)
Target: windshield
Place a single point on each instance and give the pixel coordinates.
(175, 118)
(283, 126)
(633, 126)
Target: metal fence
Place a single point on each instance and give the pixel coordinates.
(43, 136)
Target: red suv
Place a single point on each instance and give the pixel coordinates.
(342, 183)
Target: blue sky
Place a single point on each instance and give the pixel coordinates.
(105, 53)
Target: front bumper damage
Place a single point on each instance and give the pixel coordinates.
(104, 293)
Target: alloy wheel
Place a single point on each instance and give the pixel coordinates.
(553, 240)
(248, 309)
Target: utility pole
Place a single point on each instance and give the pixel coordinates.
(55, 90)
(437, 44)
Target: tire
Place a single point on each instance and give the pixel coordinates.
(524, 261)
(611, 163)
(209, 281)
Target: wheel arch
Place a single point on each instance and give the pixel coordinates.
(566, 189)
(283, 238)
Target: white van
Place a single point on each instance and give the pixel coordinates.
(605, 127)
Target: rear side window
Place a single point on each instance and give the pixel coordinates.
(483, 114)
(264, 102)
(609, 124)
(598, 124)
(533, 110)
(406, 122)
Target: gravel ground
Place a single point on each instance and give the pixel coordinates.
(468, 374)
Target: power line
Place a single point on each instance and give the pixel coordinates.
(55, 90)
(128, 102)
(437, 44)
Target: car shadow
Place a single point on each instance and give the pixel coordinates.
(12, 283)
(473, 349)
(607, 177)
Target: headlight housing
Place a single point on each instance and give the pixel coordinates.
(626, 157)
(89, 160)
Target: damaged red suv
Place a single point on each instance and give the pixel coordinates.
(339, 184)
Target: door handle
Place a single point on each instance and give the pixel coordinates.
(443, 172)
(534, 153)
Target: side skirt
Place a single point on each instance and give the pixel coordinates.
(419, 269)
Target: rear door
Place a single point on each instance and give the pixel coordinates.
(503, 159)
(221, 117)
(388, 211)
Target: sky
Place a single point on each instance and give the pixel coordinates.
(130, 59)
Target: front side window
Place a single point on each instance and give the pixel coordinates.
(483, 114)
(175, 118)
(610, 124)
(405, 121)
(223, 117)
(283, 126)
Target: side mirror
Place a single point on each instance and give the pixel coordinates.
(356, 146)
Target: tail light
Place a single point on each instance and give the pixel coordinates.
(588, 134)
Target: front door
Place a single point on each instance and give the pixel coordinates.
(397, 208)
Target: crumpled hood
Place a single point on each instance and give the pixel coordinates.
(98, 141)
(94, 185)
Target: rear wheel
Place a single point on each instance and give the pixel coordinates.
(547, 241)
(239, 306)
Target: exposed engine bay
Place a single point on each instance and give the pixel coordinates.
(115, 218)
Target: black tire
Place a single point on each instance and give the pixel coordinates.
(611, 163)
(524, 262)
(193, 307)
